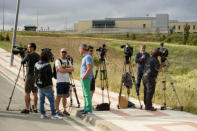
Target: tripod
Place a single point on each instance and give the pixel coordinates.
(73, 87)
(172, 85)
(103, 78)
(22, 65)
(130, 70)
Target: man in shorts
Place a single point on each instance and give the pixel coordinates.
(30, 59)
(63, 68)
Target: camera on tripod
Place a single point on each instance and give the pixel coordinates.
(102, 51)
(19, 50)
(50, 54)
(163, 52)
(128, 51)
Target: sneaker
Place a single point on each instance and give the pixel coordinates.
(24, 111)
(43, 116)
(81, 111)
(87, 113)
(55, 117)
(66, 113)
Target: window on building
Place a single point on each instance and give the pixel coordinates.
(144, 26)
(103, 24)
(179, 27)
(194, 27)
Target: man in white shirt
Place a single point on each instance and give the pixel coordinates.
(63, 67)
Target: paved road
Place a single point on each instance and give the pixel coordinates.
(13, 120)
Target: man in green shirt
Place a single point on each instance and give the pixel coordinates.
(30, 59)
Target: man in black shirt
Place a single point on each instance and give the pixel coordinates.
(151, 69)
(140, 59)
(30, 59)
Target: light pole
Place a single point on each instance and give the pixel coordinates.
(3, 13)
(14, 33)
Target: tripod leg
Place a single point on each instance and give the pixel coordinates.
(75, 91)
(174, 89)
(71, 99)
(134, 82)
(13, 89)
(164, 95)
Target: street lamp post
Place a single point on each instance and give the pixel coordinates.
(14, 33)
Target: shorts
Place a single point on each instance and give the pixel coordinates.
(92, 85)
(29, 84)
(63, 89)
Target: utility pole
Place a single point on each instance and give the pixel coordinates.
(14, 32)
(37, 19)
(3, 13)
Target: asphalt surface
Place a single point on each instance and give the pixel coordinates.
(13, 120)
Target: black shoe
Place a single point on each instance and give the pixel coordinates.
(66, 113)
(59, 113)
(35, 111)
(24, 111)
(151, 109)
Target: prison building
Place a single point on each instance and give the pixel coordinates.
(160, 22)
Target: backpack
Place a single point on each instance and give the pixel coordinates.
(42, 78)
(127, 79)
(54, 69)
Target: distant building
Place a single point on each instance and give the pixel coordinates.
(30, 28)
(133, 25)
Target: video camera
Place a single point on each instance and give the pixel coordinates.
(128, 51)
(69, 58)
(102, 51)
(163, 52)
(50, 54)
(19, 50)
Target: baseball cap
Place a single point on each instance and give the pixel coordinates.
(63, 50)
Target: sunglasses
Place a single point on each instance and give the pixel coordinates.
(63, 51)
(91, 50)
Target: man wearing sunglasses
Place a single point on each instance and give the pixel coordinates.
(63, 67)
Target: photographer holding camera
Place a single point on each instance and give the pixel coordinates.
(63, 68)
(151, 69)
(140, 59)
(30, 59)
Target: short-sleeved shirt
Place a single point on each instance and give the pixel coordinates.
(87, 59)
(30, 59)
(151, 67)
(62, 77)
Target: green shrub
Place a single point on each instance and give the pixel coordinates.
(194, 42)
(2, 37)
(7, 37)
(133, 36)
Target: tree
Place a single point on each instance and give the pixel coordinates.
(7, 37)
(186, 34)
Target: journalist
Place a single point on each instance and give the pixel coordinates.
(30, 59)
(86, 76)
(140, 59)
(43, 73)
(63, 68)
(152, 67)
(92, 85)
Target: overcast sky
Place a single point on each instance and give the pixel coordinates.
(59, 14)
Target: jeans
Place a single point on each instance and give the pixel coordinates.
(49, 93)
